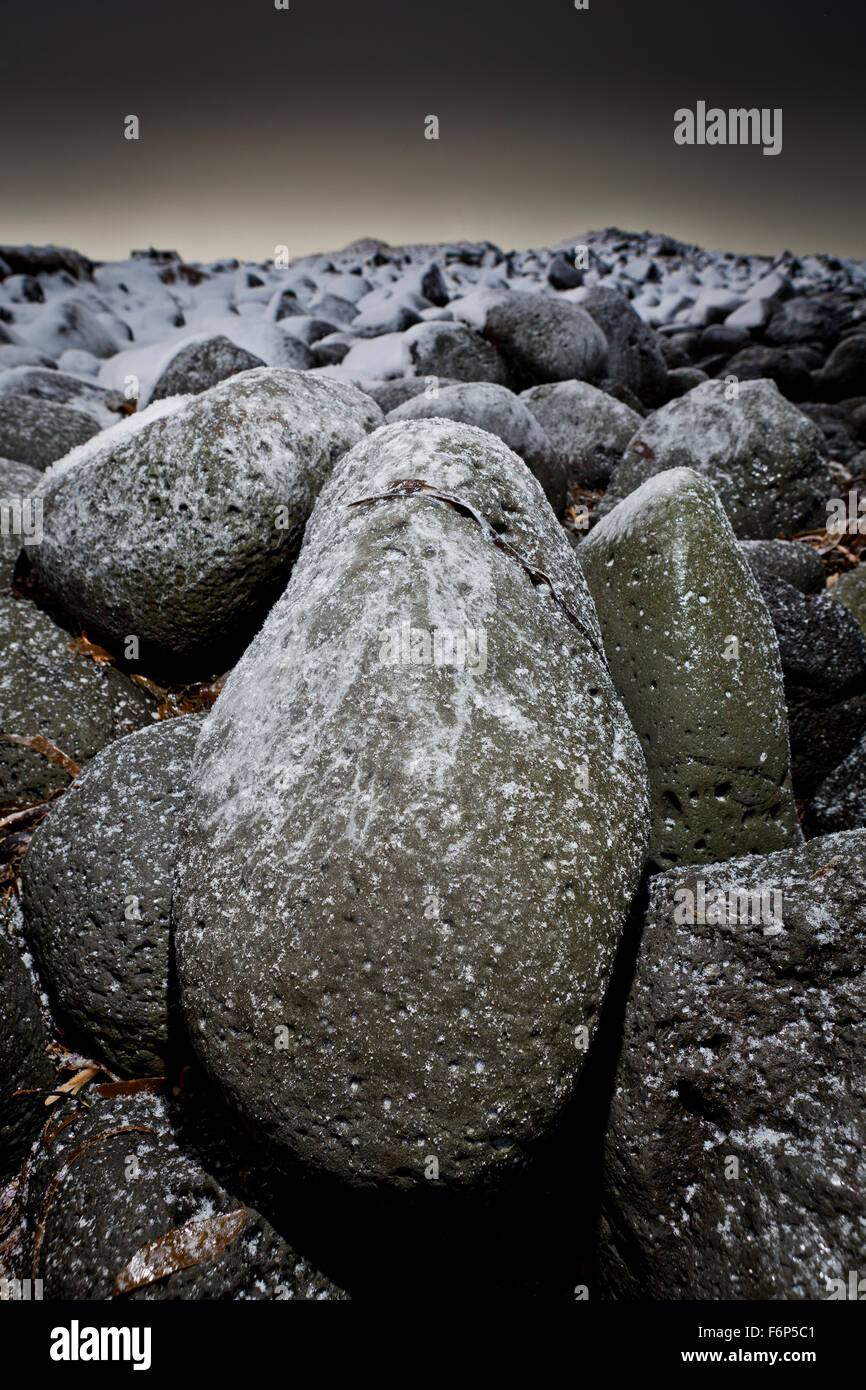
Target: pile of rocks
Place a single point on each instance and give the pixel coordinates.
(513, 826)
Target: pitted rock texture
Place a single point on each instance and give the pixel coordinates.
(402, 883)
(48, 690)
(760, 453)
(97, 883)
(17, 482)
(695, 660)
(114, 1180)
(735, 1161)
(181, 526)
(24, 1062)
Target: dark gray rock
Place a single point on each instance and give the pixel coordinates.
(48, 690)
(823, 653)
(735, 1154)
(760, 453)
(500, 412)
(563, 274)
(683, 379)
(840, 801)
(199, 366)
(61, 387)
(545, 339)
(48, 260)
(24, 1062)
(97, 883)
(588, 428)
(38, 432)
(694, 658)
(17, 482)
(844, 372)
(389, 394)
(115, 1180)
(823, 731)
(181, 525)
(634, 356)
(822, 645)
(838, 440)
(794, 561)
(786, 368)
(350, 989)
(453, 351)
(807, 319)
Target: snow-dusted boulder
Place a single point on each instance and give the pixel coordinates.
(735, 1163)
(760, 453)
(416, 820)
(201, 365)
(180, 525)
(498, 410)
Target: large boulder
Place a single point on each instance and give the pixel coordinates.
(736, 1154)
(453, 351)
(50, 691)
(694, 657)
(498, 410)
(25, 1068)
(97, 882)
(541, 338)
(392, 949)
(588, 428)
(634, 358)
(118, 1207)
(839, 802)
(37, 432)
(181, 525)
(17, 482)
(201, 365)
(760, 453)
(793, 561)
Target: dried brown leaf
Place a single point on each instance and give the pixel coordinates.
(182, 1248)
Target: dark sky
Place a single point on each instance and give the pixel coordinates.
(305, 127)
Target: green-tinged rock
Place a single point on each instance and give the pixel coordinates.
(180, 526)
(695, 660)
